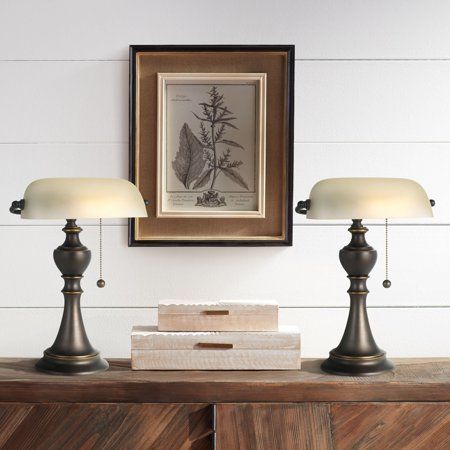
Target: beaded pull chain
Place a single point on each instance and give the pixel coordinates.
(386, 282)
(101, 282)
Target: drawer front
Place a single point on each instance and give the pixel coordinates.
(418, 426)
(340, 426)
(270, 426)
(105, 426)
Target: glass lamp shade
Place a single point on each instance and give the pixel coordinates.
(368, 198)
(82, 198)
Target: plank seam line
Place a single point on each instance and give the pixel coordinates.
(281, 307)
(369, 224)
(373, 142)
(296, 59)
(63, 142)
(370, 59)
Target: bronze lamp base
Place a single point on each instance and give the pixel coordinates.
(63, 365)
(337, 364)
(72, 353)
(357, 354)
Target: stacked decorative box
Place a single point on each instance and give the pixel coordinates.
(231, 335)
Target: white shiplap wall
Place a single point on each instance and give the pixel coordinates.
(372, 99)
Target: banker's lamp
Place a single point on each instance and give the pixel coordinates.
(72, 199)
(357, 199)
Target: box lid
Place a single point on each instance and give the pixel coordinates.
(216, 302)
(232, 306)
(148, 337)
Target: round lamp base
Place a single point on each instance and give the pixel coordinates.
(71, 365)
(356, 366)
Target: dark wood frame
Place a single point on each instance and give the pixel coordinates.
(289, 150)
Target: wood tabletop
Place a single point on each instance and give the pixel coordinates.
(425, 379)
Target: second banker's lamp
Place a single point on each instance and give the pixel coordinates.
(71, 199)
(357, 199)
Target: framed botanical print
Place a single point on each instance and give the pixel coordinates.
(211, 144)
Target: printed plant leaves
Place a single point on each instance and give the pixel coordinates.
(202, 118)
(235, 176)
(203, 179)
(228, 124)
(231, 143)
(189, 162)
(215, 120)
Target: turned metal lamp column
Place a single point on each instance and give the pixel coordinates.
(373, 198)
(84, 198)
(72, 352)
(357, 352)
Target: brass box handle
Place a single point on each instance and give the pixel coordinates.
(217, 312)
(214, 345)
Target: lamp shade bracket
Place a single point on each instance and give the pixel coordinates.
(17, 206)
(303, 206)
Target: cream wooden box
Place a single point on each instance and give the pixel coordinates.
(266, 350)
(218, 316)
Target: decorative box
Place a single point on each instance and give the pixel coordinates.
(218, 316)
(266, 350)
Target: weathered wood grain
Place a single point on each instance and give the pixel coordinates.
(407, 409)
(418, 426)
(105, 426)
(413, 380)
(337, 426)
(273, 426)
(226, 350)
(218, 316)
(11, 416)
(149, 338)
(209, 359)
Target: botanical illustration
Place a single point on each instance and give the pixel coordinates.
(202, 159)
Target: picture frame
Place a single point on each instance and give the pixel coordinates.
(211, 144)
(242, 196)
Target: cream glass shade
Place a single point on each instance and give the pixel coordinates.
(82, 198)
(368, 198)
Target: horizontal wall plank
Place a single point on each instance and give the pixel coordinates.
(427, 163)
(307, 274)
(319, 28)
(63, 102)
(336, 101)
(401, 332)
(342, 101)
(23, 163)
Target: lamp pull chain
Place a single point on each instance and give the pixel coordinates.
(386, 282)
(101, 282)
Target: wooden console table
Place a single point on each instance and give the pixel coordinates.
(121, 409)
